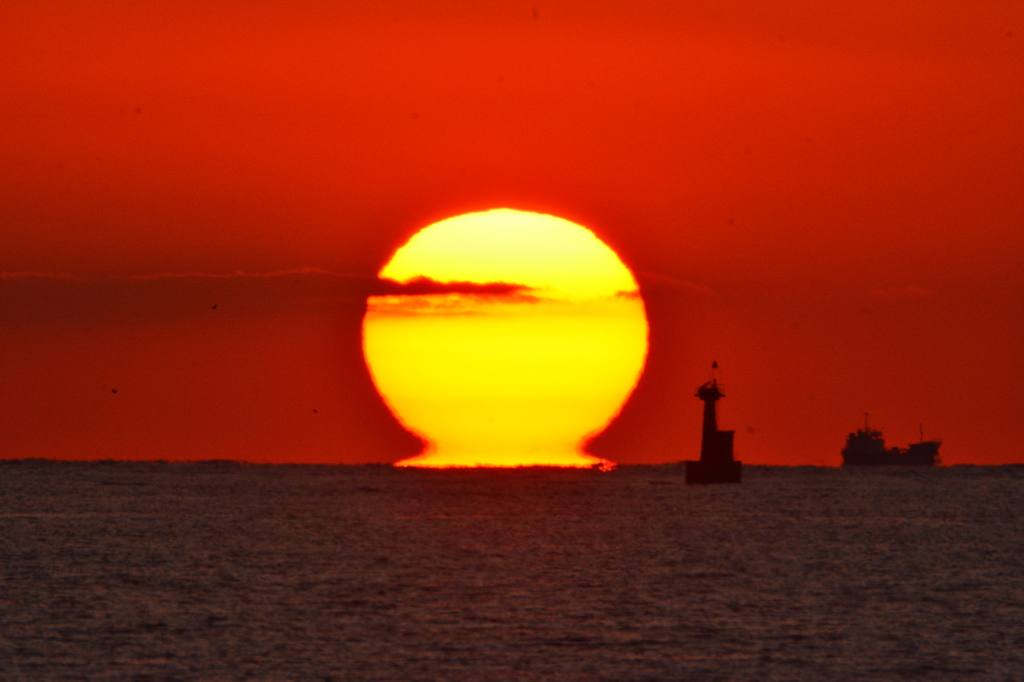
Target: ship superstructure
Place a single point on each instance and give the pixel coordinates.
(867, 447)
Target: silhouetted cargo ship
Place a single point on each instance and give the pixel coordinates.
(716, 464)
(867, 447)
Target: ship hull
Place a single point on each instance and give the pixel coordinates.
(701, 473)
(918, 454)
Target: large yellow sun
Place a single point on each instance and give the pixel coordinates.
(515, 375)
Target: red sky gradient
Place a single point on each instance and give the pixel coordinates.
(826, 198)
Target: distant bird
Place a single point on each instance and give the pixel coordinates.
(214, 307)
(113, 390)
(316, 410)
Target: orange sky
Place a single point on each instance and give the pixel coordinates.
(825, 199)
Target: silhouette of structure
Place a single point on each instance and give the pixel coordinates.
(716, 464)
(867, 447)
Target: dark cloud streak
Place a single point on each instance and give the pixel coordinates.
(44, 299)
(424, 285)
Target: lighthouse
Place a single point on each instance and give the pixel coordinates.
(716, 464)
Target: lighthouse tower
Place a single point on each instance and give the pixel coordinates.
(716, 464)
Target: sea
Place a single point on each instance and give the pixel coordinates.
(228, 571)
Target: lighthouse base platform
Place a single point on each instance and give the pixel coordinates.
(698, 472)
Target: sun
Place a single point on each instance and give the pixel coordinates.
(529, 340)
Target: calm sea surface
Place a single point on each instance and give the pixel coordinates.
(133, 571)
